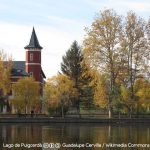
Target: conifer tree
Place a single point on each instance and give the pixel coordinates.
(87, 85)
(71, 66)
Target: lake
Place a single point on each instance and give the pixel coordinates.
(72, 136)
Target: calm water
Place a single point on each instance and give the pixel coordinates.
(88, 136)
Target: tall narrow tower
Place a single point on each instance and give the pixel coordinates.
(33, 58)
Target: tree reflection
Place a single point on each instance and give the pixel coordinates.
(74, 133)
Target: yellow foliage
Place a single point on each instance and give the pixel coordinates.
(59, 89)
(101, 93)
(5, 72)
(26, 94)
(143, 92)
(125, 93)
(126, 96)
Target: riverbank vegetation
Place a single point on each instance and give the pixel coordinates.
(110, 71)
(5, 81)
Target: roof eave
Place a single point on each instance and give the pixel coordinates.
(28, 47)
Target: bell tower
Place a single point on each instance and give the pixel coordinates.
(33, 58)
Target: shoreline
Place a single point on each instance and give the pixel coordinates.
(74, 120)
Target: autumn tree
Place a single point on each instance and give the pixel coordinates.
(142, 93)
(71, 66)
(5, 74)
(59, 92)
(125, 96)
(148, 48)
(101, 47)
(134, 48)
(101, 93)
(26, 94)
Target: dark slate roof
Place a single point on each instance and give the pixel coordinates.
(19, 65)
(19, 69)
(34, 43)
(43, 73)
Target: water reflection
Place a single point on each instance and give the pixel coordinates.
(73, 133)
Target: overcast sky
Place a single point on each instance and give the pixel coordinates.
(57, 24)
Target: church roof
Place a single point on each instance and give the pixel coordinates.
(34, 43)
(43, 73)
(19, 69)
(19, 65)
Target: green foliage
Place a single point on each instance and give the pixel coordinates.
(87, 86)
(71, 65)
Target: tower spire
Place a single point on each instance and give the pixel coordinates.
(34, 43)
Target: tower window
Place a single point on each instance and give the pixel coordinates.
(31, 57)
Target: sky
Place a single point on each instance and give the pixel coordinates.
(57, 24)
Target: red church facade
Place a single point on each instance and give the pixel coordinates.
(30, 67)
(33, 58)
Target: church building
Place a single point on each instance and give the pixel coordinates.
(30, 67)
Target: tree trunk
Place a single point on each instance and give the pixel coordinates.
(79, 113)
(137, 113)
(79, 109)
(148, 108)
(62, 111)
(130, 112)
(119, 115)
(109, 112)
